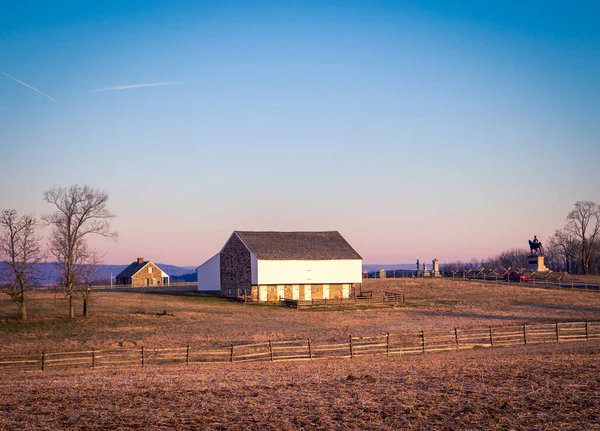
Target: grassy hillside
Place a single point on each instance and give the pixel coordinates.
(132, 319)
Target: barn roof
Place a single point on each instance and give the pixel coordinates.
(298, 245)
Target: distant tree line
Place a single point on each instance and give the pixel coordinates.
(79, 212)
(574, 248)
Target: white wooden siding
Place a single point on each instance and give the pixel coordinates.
(309, 271)
(209, 274)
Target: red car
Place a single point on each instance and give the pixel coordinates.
(517, 276)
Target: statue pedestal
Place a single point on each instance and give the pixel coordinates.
(436, 269)
(535, 263)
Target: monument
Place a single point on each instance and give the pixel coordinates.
(426, 272)
(535, 261)
(382, 273)
(436, 269)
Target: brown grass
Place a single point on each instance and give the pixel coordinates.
(550, 387)
(132, 319)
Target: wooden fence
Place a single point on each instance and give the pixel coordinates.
(305, 349)
(368, 300)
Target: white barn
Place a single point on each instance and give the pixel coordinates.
(209, 274)
(273, 265)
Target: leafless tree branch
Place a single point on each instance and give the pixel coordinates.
(81, 211)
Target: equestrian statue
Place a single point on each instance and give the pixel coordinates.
(535, 246)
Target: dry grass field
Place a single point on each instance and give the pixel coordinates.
(549, 386)
(133, 319)
(543, 387)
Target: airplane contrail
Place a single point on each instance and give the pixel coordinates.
(125, 87)
(29, 86)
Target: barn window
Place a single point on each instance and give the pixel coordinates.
(149, 270)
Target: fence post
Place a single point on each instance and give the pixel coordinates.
(93, 358)
(387, 344)
(587, 336)
(231, 354)
(524, 334)
(187, 354)
(351, 352)
(309, 349)
(270, 350)
(491, 337)
(456, 337)
(403, 299)
(557, 334)
(142, 356)
(423, 341)
(43, 361)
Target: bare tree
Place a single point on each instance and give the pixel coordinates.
(513, 258)
(20, 254)
(80, 213)
(87, 277)
(584, 223)
(563, 246)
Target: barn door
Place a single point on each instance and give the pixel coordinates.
(307, 292)
(262, 294)
(280, 291)
(296, 291)
(345, 290)
(325, 291)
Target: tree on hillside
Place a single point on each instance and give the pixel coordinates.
(584, 224)
(513, 258)
(20, 253)
(81, 212)
(562, 250)
(88, 277)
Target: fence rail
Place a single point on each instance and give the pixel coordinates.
(550, 280)
(305, 349)
(367, 299)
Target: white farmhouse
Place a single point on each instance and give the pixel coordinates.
(273, 265)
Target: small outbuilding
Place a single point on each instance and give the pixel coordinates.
(270, 266)
(142, 273)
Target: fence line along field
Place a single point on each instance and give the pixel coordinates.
(172, 318)
(521, 387)
(287, 350)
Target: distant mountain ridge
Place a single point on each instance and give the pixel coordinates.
(389, 267)
(49, 271)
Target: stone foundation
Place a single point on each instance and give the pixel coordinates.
(302, 292)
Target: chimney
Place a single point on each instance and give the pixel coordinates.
(140, 260)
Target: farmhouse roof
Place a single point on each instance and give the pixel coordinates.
(298, 245)
(132, 269)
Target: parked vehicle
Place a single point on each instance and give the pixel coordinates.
(517, 276)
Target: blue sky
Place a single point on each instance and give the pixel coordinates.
(445, 130)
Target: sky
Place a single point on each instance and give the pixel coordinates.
(417, 129)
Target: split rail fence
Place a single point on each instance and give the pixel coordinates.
(306, 349)
(368, 300)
